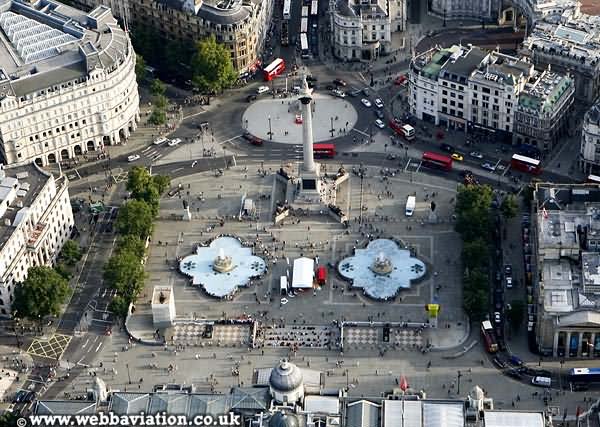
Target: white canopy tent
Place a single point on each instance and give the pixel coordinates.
(304, 271)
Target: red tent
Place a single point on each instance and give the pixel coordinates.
(321, 275)
(403, 383)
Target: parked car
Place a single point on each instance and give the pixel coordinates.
(262, 89)
(160, 140)
(497, 317)
(488, 166)
(366, 102)
(378, 103)
(174, 142)
(133, 157)
(379, 123)
(476, 154)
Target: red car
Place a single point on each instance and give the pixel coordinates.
(400, 80)
(252, 139)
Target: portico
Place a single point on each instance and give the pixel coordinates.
(577, 335)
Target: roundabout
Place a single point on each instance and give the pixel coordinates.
(280, 119)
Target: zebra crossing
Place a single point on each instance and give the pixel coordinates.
(151, 152)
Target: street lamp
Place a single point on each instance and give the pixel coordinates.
(128, 373)
(270, 130)
(458, 375)
(332, 130)
(15, 329)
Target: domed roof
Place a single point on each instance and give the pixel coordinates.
(285, 377)
(280, 419)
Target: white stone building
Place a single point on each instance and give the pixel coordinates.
(589, 154)
(362, 30)
(67, 82)
(462, 9)
(36, 220)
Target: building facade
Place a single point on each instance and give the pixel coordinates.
(466, 9)
(589, 153)
(36, 221)
(241, 25)
(67, 91)
(542, 113)
(467, 88)
(362, 29)
(564, 271)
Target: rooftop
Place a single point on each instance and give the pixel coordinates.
(545, 91)
(460, 66)
(44, 43)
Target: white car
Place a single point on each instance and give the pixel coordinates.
(339, 93)
(365, 102)
(379, 103)
(476, 154)
(489, 167)
(174, 142)
(262, 89)
(160, 140)
(133, 157)
(379, 123)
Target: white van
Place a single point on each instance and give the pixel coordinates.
(262, 89)
(542, 381)
(411, 202)
(283, 285)
(160, 140)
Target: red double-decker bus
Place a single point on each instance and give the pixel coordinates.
(274, 69)
(437, 161)
(489, 337)
(324, 151)
(526, 164)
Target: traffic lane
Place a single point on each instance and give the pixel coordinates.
(465, 36)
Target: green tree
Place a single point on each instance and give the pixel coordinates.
(473, 204)
(132, 244)
(475, 254)
(124, 272)
(41, 294)
(212, 69)
(516, 314)
(119, 306)
(476, 294)
(63, 270)
(140, 68)
(9, 419)
(146, 187)
(136, 218)
(509, 206)
(70, 252)
(157, 88)
(158, 117)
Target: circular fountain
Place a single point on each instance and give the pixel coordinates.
(382, 265)
(222, 263)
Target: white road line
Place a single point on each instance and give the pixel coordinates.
(85, 343)
(80, 360)
(146, 149)
(98, 348)
(95, 339)
(230, 139)
(360, 131)
(176, 170)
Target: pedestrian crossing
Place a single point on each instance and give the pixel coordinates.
(151, 152)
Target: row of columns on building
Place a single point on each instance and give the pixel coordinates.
(582, 336)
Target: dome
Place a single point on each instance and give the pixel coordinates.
(280, 419)
(285, 377)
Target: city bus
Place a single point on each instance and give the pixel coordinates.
(487, 331)
(303, 46)
(274, 69)
(314, 8)
(304, 25)
(437, 161)
(583, 376)
(593, 179)
(324, 151)
(305, 11)
(526, 164)
(404, 130)
(287, 6)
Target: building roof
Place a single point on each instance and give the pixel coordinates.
(303, 273)
(285, 377)
(460, 67)
(283, 419)
(322, 405)
(514, 419)
(48, 43)
(363, 413)
(64, 407)
(545, 92)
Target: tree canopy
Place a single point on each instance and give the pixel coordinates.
(157, 88)
(212, 69)
(146, 187)
(135, 218)
(509, 206)
(473, 204)
(70, 252)
(41, 294)
(140, 67)
(516, 314)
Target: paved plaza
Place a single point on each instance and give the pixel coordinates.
(328, 113)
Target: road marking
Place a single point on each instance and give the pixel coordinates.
(360, 131)
(147, 148)
(85, 343)
(80, 360)
(229, 140)
(176, 170)
(98, 348)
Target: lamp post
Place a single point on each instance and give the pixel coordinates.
(458, 376)
(128, 373)
(361, 173)
(15, 329)
(347, 380)
(332, 130)
(270, 130)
